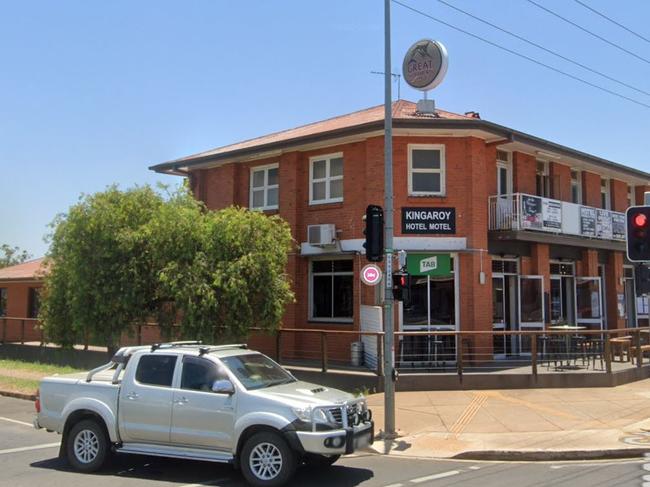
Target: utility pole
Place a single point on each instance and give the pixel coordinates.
(389, 346)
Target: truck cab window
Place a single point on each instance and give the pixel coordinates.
(156, 370)
(199, 374)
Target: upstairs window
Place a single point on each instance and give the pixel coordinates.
(543, 184)
(426, 170)
(326, 179)
(604, 194)
(576, 187)
(630, 196)
(264, 187)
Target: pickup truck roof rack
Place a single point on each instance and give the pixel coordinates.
(157, 346)
(204, 350)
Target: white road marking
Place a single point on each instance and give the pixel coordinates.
(16, 421)
(595, 464)
(394, 485)
(475, 467)
(29, 448)
(437, 476)
(207, 482)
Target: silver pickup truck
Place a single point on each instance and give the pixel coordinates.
(213, 403)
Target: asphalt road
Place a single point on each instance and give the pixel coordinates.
(29, 458)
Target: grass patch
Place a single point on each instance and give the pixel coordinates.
(15, 384)
(36, 367)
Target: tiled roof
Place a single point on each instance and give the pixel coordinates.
(402, 110)
(27, 270)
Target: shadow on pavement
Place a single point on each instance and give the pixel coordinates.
(190, 472)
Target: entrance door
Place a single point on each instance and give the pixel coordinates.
(531, 308)
(629, 290)
(589, 307)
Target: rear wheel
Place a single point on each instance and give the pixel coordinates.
(87, 446)
(267, 460)
(320, 461)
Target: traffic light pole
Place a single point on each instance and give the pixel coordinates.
(389, 346)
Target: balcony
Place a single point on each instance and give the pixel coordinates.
(522, 216)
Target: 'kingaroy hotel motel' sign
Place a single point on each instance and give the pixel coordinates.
(428, 220)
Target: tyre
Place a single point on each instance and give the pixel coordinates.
(267, 460)
(320, 461)
(87, 446)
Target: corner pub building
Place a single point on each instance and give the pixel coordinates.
(503, 230)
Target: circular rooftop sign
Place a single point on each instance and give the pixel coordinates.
(425, 64)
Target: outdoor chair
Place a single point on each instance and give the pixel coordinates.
(595, 348)
(579, 349)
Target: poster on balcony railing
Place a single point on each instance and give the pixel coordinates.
(618, 226)
(604, 224)
(552, 214)
(531, 212)
(587, 221)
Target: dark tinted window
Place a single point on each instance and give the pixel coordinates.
(34, 303)
(156, 370)
(3, 301)
(199, 374)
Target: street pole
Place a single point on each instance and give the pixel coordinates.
(389, 346)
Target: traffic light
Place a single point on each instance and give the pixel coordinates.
(638, 233)
(402, 287)
(642, 279)
(374, 233)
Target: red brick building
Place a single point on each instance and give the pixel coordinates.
(19, 300)
(503, 230)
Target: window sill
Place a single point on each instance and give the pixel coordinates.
(325, 205)
(434, 196)
(330, 321)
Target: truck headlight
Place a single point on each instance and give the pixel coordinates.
(304, 414)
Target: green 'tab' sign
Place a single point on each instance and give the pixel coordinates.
(428, 264)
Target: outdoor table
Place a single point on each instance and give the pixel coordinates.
(567, 336)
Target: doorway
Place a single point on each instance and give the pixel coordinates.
(562, 292)
(504, 304)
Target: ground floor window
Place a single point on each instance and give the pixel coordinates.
(331, 290)
(3, 301)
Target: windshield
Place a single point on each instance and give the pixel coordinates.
(256, 371)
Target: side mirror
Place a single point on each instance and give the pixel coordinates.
(223, 386)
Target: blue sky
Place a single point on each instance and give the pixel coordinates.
(92, 93)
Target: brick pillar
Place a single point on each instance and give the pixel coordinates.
(639, 193)
(618, 193)
(588, 265)
(613, 277)
(524, 169)
(591, 189)
(540, 266)
(560, 181)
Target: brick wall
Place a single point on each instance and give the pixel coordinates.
(591, 189)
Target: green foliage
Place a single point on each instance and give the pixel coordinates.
(12, 255)
(119, 258)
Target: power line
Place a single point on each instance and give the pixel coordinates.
(613, 44)
(539, 46)
(523, 56)
(612, 20)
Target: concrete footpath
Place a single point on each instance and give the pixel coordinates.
(529, 424)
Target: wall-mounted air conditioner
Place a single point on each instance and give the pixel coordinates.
(321, 235)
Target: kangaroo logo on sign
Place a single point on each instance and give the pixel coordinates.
(430, 264)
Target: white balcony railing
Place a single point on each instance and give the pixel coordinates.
(521, 211)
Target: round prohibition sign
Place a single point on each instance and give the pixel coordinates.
(371, 274)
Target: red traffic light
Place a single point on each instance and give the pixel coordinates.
(640, 220)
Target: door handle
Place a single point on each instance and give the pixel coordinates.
(132, 395)
(182, 400)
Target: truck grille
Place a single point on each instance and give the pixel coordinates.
(353, 416)
(336, 415)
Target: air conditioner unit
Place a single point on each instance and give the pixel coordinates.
(321, 235)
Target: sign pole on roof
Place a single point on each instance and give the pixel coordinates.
(424, 67)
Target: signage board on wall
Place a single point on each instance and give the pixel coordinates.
(604, 224)
(552, 214)
(618, 226)
(531, 212)
(428, 220)
(588, 221)
(428, 264)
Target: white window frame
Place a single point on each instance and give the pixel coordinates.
(265, 187)
(442, 171)
(327, 179)
(311, 289)
(507, 165)
(578, 184)
(631, 194)
(546, 178)
(608, 194)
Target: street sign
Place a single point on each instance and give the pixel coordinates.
(371, 274)
(428, 264)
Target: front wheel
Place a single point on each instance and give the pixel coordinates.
(267, 460)
(87, 446)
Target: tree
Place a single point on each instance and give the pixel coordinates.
(99, 279)
(12, 255)
(119, 258)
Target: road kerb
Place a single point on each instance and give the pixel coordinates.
(551, 455)
(18, 395)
